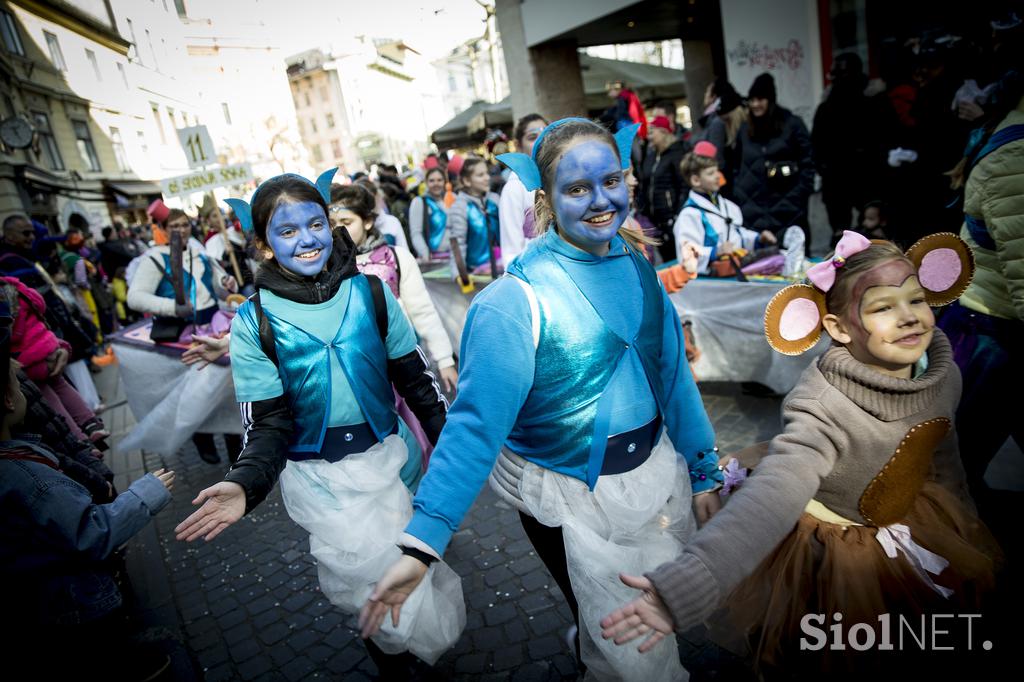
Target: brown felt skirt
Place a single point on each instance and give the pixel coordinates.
(824, 568)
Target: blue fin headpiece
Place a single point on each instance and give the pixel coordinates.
(243, 209)
(526, 166)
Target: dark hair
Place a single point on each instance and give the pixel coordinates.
(356, 198)
(283, 188)
(554, 143)
(880, 205)
(11, 219)
(171, 215)
(435, 169)
(468, 165)
(521, 125)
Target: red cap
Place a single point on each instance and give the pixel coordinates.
(705, 148)
(663, 123)
(430, 162)
(158, 211)
(455, 164)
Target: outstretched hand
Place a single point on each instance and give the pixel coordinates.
(646, 616)
(206, 349)
(222, 504)
(390, 593)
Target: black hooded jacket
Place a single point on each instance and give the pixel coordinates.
(268, 423)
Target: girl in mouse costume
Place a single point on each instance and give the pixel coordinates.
(576, 400)
(314, 354)
(860, 508)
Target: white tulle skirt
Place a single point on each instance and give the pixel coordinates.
(631, 523)
(354, 510)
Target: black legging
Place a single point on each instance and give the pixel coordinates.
(550, 547)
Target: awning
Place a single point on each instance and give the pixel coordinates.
(133, 188)
(650, 82)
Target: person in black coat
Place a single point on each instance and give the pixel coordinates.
(775, 177)
(663, 188)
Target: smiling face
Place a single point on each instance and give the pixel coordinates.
(343, 218)
(300, 237)
(435, 183)
(892, 326)
(758, 106)
(589, 197)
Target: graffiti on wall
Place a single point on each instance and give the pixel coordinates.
(754, 55)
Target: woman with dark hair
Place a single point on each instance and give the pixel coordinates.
(428, 218)
(775, 176)
(352, 208)
(573, 366)
(515, 208)
(314, 354)
(473, 218)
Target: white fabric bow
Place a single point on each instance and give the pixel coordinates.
(897, 537)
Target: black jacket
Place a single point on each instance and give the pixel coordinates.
(664, 189)
(774, 204)
(268, 424)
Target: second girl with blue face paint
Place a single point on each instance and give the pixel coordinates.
(576, 394)
(314, 354)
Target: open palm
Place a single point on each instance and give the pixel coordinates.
(390, 593)
(222, 505)
(645, 616)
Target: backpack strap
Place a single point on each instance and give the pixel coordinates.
(380, 306)
(266, 331)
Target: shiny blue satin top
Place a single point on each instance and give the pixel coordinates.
(437, 220)
(481, 231)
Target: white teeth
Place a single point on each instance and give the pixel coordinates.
(598, 219)
(309, 255)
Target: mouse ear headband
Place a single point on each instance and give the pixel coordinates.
(243, 209)
(525, 167)
(793, 317)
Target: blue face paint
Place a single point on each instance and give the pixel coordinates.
(300, 237)
(590, 197)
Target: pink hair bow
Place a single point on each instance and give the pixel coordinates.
(823, 275)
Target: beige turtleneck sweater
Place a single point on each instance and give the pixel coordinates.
(843, 423)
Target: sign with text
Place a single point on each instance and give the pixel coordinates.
(198, 146)
(204, 181)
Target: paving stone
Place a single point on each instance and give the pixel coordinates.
(471, 664)
(543, 648)
(346, 659)
(301, 640)
(508, 657)
(298, 668)
(274, 633)
(245, 649)
(500, 613)
(254, 667)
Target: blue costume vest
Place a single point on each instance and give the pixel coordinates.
(436, 221)
(305, 369)
(710, 235)
(564, 424)
(166, 290)
(482, 231)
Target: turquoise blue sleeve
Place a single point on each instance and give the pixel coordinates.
(401, 337)
(255, 375)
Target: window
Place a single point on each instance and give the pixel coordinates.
(179, 5)
(119, 152)
(140, 138)
(47, 144)
(152, 52)
(323, 93)
(159, 124)
(124, 75)
(336, 149)
(135, 41)
(330, 120)
(9, 29)
(306, 96)
(86, 149)
(227, 112)
(170, 117)
(91, 56)
(56, 56)
(318, 155)
(312, 124)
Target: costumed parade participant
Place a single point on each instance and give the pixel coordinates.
(709, 221)
(860, 507)
(314, 354)
(158, 284)
(473, 218)
(515, 206)
(574, 390)
(428, 218)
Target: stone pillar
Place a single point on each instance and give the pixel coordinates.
(699, 70)
(545, 79)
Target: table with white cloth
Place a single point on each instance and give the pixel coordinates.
(727, 318)
(171, 400)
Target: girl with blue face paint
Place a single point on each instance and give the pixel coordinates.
(576, 402)
(314, 355)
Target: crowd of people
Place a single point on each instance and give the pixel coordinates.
(574, 398)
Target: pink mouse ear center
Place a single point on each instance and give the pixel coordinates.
(799, 318)
(939, 270)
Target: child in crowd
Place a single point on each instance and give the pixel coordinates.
(860, 507)
(473, 218)
(54, 543)
(428, 218)
(708, 220)
(874, 221)
(314, 355)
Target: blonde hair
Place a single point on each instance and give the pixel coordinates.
(554, 144)
(733, 120)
